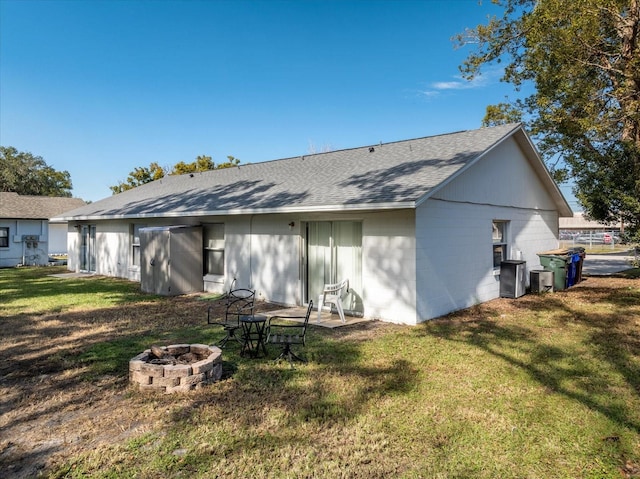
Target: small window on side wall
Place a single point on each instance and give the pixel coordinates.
(499, 242)
(213, 236)
(4, 237)
(135, 244)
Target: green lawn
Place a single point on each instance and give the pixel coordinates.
(540, 387)
(600, 248)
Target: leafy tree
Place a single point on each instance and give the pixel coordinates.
(501, 114)
(26, 174)
(141, 175)
(583, 59)
(202, 163)
(230, 163)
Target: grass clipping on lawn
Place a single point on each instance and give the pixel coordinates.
(542, 386)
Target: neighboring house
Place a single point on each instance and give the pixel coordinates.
(26, 236)
(419, 227)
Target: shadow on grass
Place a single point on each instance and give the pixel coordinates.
(609, 344)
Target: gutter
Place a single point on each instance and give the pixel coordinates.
(242, 211)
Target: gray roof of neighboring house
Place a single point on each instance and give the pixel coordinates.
(26, 207)
(388, 175)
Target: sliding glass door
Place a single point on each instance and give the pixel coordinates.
(334, 253)
(88, 248)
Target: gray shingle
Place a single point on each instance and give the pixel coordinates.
(15, 206)
(394, 174)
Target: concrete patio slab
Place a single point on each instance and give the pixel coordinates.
(327, 320)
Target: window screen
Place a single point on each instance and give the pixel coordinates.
(213, 237)
(499, 242)
(4, 237)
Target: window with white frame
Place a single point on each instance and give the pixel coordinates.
(135, 244)
(500, 231)
(4, 237)
(213, 239)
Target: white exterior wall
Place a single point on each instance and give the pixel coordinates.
(57, 238)
(33, 253)
(275, 269)
(113, 248)
(454, 231)
(263, 252)
(236, 252)
(113, 255)
(502, 178)
(73, 248)
(275, 259)
(389, 266)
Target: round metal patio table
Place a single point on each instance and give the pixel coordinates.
(253, 329)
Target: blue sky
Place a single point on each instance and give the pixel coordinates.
(100, 87)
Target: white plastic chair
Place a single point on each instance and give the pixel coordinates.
(332, 294)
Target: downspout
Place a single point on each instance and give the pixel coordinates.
(302, 257)
(250, 251)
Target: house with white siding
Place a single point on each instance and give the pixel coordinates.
(419, 227)
(26, 235)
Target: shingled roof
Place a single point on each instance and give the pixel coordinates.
(24, 207)
(387, 175)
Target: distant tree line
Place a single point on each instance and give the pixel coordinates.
(26, 174)
(146, 174)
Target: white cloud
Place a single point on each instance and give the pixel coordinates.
(459, 83)
(429, 93)
(448, 85)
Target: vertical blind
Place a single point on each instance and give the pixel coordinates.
(334, 253)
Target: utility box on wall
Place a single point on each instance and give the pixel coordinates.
(171, 260)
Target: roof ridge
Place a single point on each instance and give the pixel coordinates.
(344, 150)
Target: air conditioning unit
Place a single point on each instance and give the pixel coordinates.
(541, 281)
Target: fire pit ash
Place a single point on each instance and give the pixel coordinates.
(179, 367)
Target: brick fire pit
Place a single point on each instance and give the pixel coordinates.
(202, 366)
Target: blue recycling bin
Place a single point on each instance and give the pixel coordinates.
(581, 253)
(573, 261)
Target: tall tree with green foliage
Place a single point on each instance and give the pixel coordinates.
(26, 174)
(202, 163)
(583, 60)
(141, 175)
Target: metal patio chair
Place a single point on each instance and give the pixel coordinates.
(239, 302)
(282, 332)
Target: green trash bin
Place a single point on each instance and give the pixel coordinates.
(557, 264)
